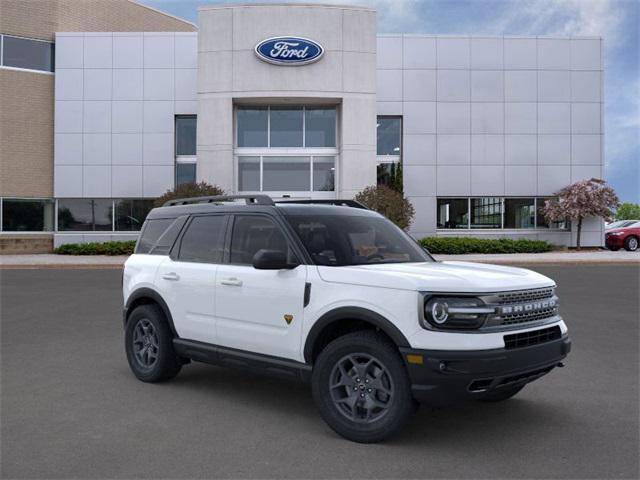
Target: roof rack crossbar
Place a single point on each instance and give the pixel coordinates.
(336, 202)
(249, 199)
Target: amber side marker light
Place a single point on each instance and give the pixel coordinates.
(415, 359)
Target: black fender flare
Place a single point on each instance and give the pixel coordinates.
(151, 294)
(352, 313)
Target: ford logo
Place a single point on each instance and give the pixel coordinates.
(289, 51)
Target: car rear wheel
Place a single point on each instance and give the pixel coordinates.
(149, 345)
(631, 244)
(501, 394)
(361, 387)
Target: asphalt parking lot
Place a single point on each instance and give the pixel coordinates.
(70, 408)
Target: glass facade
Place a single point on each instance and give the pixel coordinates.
(389, 136)
(18, 52)
(389, 152)
(519, 213)
(253, 126)
(453, 213)
(286, 149)
(130, 214)
(27, 215)
(286, 127)
(85, 215)
(542, 221)
(320, 127)
(185, 172)
(324, 170)
(186, 135)
(486, 212)
(494, 213)
(185, 145)
(286, 173)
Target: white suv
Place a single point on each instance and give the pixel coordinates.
(337, 295)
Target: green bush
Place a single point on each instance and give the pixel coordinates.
(461, 245)
(97, 248)
(388, 202)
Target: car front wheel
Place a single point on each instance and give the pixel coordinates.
(361, 387)
(631, 244)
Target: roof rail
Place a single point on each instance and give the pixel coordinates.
(250, 200)
(336, 202)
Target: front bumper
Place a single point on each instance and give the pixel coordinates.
(448, 376)
(614, 241)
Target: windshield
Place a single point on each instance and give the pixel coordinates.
(340, 240)
(621, 224)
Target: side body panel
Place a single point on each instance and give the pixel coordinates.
(261, 310)
(189, 290)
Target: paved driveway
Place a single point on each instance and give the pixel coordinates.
(71, 408)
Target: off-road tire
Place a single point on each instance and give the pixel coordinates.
(391, 377)
(167, 364)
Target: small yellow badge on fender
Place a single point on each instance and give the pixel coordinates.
(288, 318)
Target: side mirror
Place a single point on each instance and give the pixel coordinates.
(271, 260)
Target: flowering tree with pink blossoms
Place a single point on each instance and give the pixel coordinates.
(586, 198)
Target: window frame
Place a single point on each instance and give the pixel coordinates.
(22, 69)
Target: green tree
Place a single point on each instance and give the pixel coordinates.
(628, 211)
(189, 190)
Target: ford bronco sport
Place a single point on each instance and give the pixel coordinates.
(337, 295)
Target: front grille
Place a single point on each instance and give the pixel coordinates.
(534, 337)
(517, 318)
(524, 296)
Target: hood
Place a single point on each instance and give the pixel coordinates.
(459, 277)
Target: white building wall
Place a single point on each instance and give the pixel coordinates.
(230, 72)
(494, 116)
(116, 95)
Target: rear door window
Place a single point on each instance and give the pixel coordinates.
(203, 241)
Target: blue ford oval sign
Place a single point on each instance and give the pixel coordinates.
(289, 50)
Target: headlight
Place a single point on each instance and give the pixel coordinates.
(616, 233)
(455, 312)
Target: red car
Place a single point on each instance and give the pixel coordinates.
(627, 237)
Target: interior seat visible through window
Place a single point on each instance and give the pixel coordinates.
(252, 233)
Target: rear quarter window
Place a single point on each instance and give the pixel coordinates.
(159, 235)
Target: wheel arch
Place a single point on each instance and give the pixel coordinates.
(148, 296)
(344, 320)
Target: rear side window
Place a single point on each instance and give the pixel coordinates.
(203, 241)
(159, 234)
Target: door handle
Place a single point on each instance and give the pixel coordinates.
(232, 282)
(173, 276)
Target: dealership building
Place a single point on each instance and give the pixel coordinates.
(108, 104)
